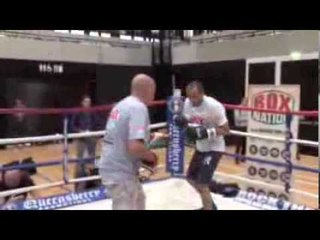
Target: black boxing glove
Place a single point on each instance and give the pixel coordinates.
(180, 121)
(200, 133)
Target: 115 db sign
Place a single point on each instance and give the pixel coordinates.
(50, 68)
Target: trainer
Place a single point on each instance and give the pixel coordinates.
(127, 132)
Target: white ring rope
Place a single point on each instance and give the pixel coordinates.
(83, 179)
(293, 140)
(57, 137)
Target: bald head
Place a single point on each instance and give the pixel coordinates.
(143, 87)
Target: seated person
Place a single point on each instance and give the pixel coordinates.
(17, 178)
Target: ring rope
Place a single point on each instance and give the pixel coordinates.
(57, 137)
(58, 111)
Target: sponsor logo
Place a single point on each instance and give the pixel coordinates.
(272, 195)
(273, 174)
(269, 201)
(285, 154)
(284, 176)
(261, 192)
(175, 148)
(274, 152)
(65, 200)
(253, 149)
(283, 197)
(175, 105)
(9, 206)
(263, 172)
(252, 171)
(272, 100)
(197, 120)
(263, 151)
(175, 151)
(115, 114)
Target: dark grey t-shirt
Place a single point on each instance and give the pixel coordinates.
(128, 120)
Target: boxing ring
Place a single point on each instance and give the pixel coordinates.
(168, 193)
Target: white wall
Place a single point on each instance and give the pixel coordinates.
(31, 49)
(260, 46)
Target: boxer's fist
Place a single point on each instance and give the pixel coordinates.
(198, 133)
(180, 120)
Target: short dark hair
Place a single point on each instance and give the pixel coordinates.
(196, 84)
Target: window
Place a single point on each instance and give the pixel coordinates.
(94, 34)
(105, 35)
(77, 32)
(125, 37)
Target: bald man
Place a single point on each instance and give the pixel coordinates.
(127, 132)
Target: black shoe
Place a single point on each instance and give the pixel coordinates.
(214, 207)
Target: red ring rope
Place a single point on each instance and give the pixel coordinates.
(299, 113)
(57, 111)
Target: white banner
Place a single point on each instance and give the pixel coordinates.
(279, 98)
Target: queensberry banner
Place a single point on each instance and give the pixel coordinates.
(175, 149)
(267, 202)
(284, 98)
(58, 201)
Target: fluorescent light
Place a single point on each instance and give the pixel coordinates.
(2, 35)
(77, 32)
(125, 37)
(62, 31)
(295, 55)
(106, 35)
(94, 34)
(138, 38)
(156, 40)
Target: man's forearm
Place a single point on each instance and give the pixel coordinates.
(139, 150)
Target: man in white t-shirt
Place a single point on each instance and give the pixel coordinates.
(206, 123)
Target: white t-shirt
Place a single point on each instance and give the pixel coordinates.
(210, 113)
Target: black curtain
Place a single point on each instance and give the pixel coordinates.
(113, 82)
(262, 73)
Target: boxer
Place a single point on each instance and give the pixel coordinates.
(206, 123)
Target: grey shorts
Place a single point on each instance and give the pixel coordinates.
(126, 194)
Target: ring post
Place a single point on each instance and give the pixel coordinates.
(65, 150)
(175, 150)
(287, 155)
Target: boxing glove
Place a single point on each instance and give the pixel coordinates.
(200, 133)
(151, 163)
(180, 120)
